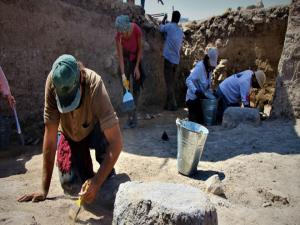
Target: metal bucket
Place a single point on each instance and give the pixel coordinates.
(209, 110)
(5, 131)
(191, 138)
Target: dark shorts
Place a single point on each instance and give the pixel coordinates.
(74, 160)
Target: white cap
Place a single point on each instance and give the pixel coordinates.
(212, 53)
(260, 77)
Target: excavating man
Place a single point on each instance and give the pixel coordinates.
(78, 111)
(235, 90)
(173, 42)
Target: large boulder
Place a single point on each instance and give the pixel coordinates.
(233, 116)
(287, 94)
(162, 203)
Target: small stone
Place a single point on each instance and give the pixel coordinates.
(267, 204)
(257, 20)
(148, 116)
(214, 185)
(165, 136)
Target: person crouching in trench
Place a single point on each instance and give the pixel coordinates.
(78, 113)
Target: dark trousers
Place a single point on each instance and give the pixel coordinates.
(81, 163)
(170, 77)
(223, 105)
(195, 110)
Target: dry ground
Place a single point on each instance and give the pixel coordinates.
(259, 167)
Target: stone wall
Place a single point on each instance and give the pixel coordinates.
(250, 39)
(287, 96)
(34, 33)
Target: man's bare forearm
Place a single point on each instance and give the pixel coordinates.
(48, 164)
(112, 154)
(49, 149)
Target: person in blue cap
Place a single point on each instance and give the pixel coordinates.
(128, 41)
(78, 108)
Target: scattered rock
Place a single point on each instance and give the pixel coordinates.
(274, 197)
(257, 20)
(267, 109)
(162, 203)
(214, 185)
(165, 136)
(267, 204)
(148, 116)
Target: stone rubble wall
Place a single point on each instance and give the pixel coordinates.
(287, 96)
(250, 39)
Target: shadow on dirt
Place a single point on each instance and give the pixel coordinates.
(205, 174)
(276, 136)
(104, 204)
(14, 158)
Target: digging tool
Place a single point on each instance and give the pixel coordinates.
(128, 102)
(75, 208)
(18, 126)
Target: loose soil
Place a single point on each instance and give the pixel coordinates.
(259, 167)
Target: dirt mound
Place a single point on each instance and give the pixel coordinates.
(35, 33)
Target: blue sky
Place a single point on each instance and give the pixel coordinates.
(200, 9)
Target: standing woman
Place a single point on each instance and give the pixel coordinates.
(199, 84)
(129, 48)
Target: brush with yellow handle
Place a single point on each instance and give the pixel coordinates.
(128, 102)
(75, 208)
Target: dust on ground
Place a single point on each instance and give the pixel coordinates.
(259, 167)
